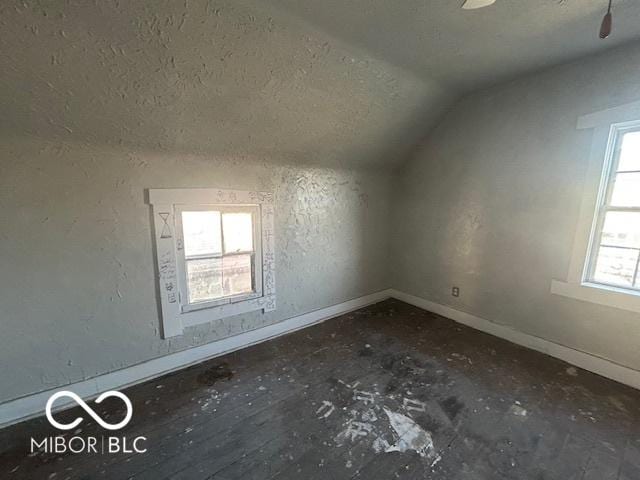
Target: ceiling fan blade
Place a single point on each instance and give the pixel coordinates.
(473, 4)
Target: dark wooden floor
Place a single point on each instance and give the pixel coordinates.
(387, 392)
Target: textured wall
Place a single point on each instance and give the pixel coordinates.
(77, 284)
(490, 203)
(101, 100)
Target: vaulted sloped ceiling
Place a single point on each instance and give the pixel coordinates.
(352, 83)
(469, 49)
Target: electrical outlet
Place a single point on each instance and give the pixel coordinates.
(455, 291)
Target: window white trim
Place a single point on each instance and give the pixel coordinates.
(627, 112)
(603, 123)
(604, 206)
(165, 203)
(621, 298)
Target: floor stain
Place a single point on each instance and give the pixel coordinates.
(218, 372)
(452, 407)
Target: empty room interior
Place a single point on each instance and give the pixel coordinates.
(339, 239)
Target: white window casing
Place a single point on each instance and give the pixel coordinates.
(608, 127)
(606, 207)
(167, 206)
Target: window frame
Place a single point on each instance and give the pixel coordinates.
(605, 192)
(166, 207)
(577, 284)
(256, 254)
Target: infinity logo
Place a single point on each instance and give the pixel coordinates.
(89, 410)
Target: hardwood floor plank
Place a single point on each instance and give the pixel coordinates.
(389, 391)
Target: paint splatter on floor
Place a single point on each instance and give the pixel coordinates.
(372, 422)
(410, 436)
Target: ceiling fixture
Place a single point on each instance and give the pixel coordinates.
(607, 23)
(473, 4)
(605, 27)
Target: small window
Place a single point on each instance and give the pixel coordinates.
(215, 253)
(615, 245)
(217, 250)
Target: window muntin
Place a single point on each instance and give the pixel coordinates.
(615, 251)
(218, 254)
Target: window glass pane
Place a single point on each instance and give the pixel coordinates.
(238, 232)
(201, 232)
(630, 152)
(236, 274)
(204, 279)
(626, 190)
(616, 266)
(621, 229)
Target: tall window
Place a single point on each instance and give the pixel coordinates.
(615, 244)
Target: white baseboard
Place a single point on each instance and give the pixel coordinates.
(587, 361)
(33, 405)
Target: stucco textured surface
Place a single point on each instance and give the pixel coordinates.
(490, 203)
(469, 49)
(77, 286)
(102, 100)
(224, 77)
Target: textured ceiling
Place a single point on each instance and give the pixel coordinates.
(348, 83)
(468, 49)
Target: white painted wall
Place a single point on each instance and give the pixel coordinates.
(77, 284)
(101, 101)
(233, 95)
(490, 203)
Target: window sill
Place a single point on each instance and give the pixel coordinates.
(230, 300)
(601, 294)
(206, 315)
